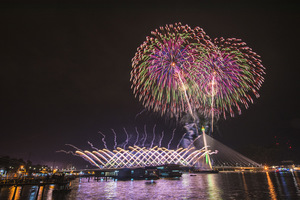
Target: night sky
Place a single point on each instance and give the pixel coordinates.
(65, 71)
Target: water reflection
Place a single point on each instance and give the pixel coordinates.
(49, 192)
(245, 186)
(285, 188)
(278, 184)
(271, 187)
(12, 193)
(227, 185)
(296, 181)
(213, 188)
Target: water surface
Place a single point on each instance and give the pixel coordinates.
(225, 185)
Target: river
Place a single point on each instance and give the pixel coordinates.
(224, 185)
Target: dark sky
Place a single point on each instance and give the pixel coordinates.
(65, 71)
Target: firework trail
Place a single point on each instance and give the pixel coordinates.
(137, 136)
(192, 143)
(145, 130)
(130, 136)
(212, 103)
(115, 138)
(126, 142)
(67, 152)
(171, 138)
(161, 138)
(213, 152)
(103, 140)
(93, 146)
(141, 140)
(139, 113)
(180, 140)
(153, 136)
(71, 145)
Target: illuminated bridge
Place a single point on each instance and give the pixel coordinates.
(226, 157)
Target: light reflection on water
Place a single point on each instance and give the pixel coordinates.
(271, 187)
(227, 185)
(245, 187)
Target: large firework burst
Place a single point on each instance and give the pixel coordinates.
(166, 69)
(233, 72)
(180, 70)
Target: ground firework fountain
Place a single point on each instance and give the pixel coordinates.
(126, 156)
(195, 152)
(143, 157)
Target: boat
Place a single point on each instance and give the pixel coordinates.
(169, 171)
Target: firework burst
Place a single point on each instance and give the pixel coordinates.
(233, 74)
(166, 69)
(180, 70)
